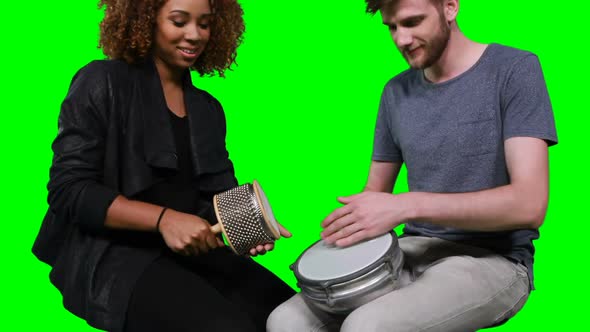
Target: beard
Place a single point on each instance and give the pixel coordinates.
(433, 48)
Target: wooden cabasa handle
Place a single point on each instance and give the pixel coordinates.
(216, 229)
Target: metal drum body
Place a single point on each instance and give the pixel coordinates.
(339, 280)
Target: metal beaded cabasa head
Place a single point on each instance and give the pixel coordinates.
(245, 217)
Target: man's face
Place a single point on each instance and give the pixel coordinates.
(419, 30)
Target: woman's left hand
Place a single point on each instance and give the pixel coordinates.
(264, 248)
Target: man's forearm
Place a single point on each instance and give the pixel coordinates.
(501, 208)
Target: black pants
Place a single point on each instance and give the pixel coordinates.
(219, 291)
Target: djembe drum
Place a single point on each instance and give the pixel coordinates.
(339, 280)
(245, 218)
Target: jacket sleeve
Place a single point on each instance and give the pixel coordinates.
(76, 193)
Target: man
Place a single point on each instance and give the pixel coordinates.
(472, 123)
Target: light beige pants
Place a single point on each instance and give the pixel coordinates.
(445, 287)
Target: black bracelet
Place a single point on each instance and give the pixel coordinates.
(160, 219)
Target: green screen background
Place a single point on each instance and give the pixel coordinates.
(300, 108)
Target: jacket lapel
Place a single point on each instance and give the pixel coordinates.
(207, 131)
(159, 147)
(206, 124)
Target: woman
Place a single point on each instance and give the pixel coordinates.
(139, 154)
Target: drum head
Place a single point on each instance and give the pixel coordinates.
(269, 218)
(326, 262)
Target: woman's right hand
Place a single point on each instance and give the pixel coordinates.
(187, 234)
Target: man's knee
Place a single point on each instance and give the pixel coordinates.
(288, 316)
(295, 315)
(363, 319)
(382, 314)
(277, 318)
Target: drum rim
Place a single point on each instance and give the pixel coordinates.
(327, 283)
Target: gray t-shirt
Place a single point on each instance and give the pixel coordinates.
(451, 135)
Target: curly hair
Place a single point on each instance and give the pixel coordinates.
(373, 6)
(127, 33)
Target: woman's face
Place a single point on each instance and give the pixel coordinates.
(182, 32)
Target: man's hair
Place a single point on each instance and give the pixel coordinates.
(373, 6)
(127, 32)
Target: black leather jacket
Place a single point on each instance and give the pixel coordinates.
(114, 132)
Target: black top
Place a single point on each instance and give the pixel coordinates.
(178, 189)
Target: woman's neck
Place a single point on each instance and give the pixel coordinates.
(169, 76)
